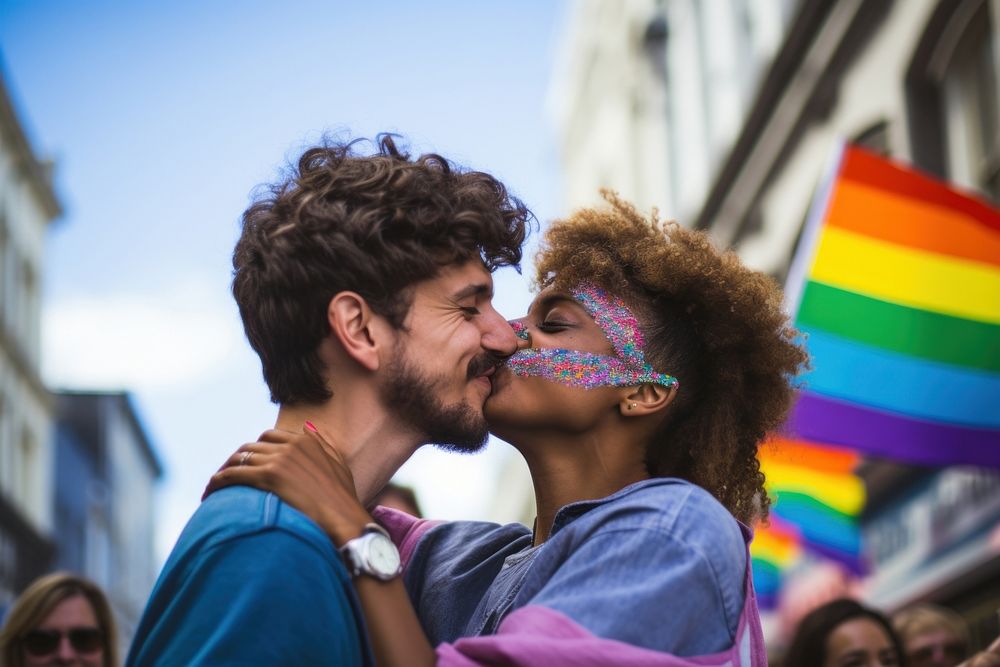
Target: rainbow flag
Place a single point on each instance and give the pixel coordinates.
(816, 501)
(897, 284)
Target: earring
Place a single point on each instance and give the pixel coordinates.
(631, 406)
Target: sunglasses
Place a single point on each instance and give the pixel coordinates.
(44, 642)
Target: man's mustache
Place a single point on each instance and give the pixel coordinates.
(484, 363)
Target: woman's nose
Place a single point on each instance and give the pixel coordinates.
(522, 334)
(66, 654)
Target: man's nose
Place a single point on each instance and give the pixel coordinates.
(498, 336)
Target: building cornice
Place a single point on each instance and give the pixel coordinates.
(36, 173)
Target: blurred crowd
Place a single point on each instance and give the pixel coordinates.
(65, 619)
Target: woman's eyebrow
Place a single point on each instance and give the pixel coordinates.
(549, 300)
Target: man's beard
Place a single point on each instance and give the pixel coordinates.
(414, 398)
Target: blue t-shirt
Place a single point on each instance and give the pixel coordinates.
(659, 565)
(251, 581)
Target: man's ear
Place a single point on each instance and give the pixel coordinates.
(646, 399)
(355, 327)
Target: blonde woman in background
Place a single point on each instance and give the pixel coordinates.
(60, 619)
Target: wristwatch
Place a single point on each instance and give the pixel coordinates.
(372, 553)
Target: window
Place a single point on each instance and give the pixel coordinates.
(6, 447)
(3, 260)
(952, 95)
(970, 108)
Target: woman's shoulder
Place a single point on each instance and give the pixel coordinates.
(663, 508)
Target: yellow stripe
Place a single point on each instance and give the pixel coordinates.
(844, 493)
(924, 280)
(779, 551)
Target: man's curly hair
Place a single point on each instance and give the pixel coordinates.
(373, 224)
(709, 321)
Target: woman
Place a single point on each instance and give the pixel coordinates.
(60, 619)
(651, 367)
(844, 633)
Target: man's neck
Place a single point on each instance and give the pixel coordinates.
(373, 443)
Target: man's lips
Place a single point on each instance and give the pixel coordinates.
(499, 378)
(486, 377)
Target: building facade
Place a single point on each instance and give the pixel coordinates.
(649, 94)
(28, 205)
(770, 90)
(106, 473)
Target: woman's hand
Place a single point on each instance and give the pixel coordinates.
(305, 471)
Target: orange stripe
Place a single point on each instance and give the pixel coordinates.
(910, 222)
(779, 449)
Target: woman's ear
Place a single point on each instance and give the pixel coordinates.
(646, 399)
(355, 327)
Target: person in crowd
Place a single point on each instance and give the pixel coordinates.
(845, 633)
(650, 367)
(399, 497)
(932, 636)
(364, 284)
(60, 619)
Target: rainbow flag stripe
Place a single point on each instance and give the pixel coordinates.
(897, 286)
(817, 498)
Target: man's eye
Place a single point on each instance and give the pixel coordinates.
(470, 311)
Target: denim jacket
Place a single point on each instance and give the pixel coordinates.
(655, 574)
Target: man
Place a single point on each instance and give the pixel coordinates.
(932, 636)
(364, 286)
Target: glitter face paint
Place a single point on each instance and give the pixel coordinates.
(520, 330)
(585, 369)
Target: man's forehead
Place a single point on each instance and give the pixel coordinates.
(460, 281)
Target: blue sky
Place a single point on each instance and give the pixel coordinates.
(163, 117)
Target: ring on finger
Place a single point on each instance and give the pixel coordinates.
(245, 459)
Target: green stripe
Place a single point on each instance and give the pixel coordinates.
(918, 333)
(796, 500)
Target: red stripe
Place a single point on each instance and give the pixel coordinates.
(870, 169)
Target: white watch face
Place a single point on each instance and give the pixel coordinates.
(382, 555)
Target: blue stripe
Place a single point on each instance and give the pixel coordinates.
(879, 378)
(821, 529)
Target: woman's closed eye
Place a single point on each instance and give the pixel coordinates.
(550, 326)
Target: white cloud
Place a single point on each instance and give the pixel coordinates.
(147, 341)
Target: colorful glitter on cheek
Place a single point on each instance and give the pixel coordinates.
(587, 370)
(576, 369)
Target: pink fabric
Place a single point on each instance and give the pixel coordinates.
(537, 636)
(404, 529)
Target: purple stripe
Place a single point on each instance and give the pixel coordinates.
(893, 436)
(852, 562)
